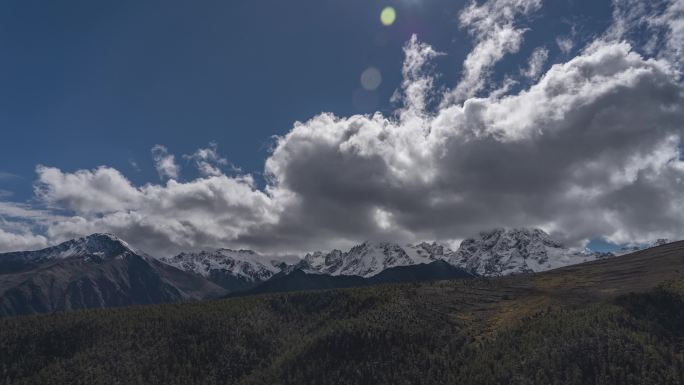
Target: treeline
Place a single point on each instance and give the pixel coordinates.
(381, 335)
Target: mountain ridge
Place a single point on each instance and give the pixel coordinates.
(493, 253)
(96, 271)
(610, 321)
(299, 280)
(233, 270)
(102, 270)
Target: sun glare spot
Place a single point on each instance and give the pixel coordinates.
(388, 16)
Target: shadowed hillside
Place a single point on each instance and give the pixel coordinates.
(614, 321)
(298, 280)
(96, 271)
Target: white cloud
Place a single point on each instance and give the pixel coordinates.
(103, 190)
(536, 63)
(165, 163)
(521, 160)
(591, 149)
(16, 232)
(492, 25)
(208, 161)
(662, 21)
(10, 241)
(565, 44)
(672, 19)
(210, 212)
(417, 84)
(134, 165)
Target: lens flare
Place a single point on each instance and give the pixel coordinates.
(371, 78)
(388, 16)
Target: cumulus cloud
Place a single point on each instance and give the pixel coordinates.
(564, 152)
(492, 24)
(591, 149)
(103, 190)
(164, 162)
(208, 212)
(10, 241)
(16, 232)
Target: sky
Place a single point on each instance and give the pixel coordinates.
(286, 127)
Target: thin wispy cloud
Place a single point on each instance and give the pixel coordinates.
(536, 63)
(8, 175)
(496, 32)
(565, 44)
(165, 163)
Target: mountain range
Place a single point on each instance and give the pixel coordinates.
(92, 272)
(234, 270)
(494, 253)
(614, 321)
(102, 270)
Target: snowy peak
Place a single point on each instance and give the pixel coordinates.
(427, 252)
(493, 253)
(246, 264)
(102, 244)
(94, 247)
(509, 251)
(370, 258)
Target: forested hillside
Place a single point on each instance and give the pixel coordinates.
(615, 321)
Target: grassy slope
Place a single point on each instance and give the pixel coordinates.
(617, 321)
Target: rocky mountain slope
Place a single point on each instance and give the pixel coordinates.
(492, 253)
(92, 272)
(512, 251)
(368, 259)
(233, 270)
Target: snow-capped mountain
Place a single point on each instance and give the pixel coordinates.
(493, 253)
(370, 258)
(232, 269)
(510, 251)
(93, 247)
(634, 248)
(102, 270)
(96, 271)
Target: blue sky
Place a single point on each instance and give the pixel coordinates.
(88, 84)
